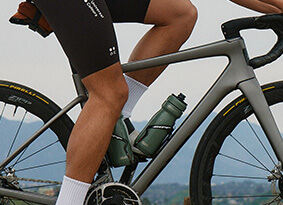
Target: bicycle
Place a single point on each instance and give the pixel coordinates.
(24, 103)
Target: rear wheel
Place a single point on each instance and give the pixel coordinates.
(234, 163)
(40, 167)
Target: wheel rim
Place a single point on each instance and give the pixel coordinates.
(248, 176)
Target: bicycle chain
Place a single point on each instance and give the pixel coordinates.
(30, 180)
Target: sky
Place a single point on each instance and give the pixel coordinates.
(29, 59)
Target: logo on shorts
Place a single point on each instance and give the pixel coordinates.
(94, 8)
(112, 51)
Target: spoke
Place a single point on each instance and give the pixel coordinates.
(238, 160)
(17, 133)
(40, 166)
(38, 151)
(256, 135)
(242, 177)
(250, 153)
(20, 156)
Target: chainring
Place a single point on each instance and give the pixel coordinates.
(112, 193)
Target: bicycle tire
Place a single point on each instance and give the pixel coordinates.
(227, 157)
(26, 110)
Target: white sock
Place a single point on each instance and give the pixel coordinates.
(72, 192)
(136, 90)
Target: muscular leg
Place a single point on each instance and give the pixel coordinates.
(86, 42)
(173, 23)
(92, 133)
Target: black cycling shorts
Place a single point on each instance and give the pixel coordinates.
(85, 30)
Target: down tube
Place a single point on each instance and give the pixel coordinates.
(220, 89)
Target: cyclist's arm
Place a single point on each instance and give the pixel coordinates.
(263, 6)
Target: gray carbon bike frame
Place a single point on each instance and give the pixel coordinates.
(237, 75)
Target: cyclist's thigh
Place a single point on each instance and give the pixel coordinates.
(128, 10)
(164, 12)
(85, 31)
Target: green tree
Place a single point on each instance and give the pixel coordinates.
(145, 201)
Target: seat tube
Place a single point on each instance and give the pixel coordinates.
(252, 90)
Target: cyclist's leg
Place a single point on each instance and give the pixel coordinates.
(263, 6)
(92, 131)
(276, 3)
(91, 134)
(173, 23)
(85, 31)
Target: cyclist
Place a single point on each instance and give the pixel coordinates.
(85, 31)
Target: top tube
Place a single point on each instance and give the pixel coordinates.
(231, 31)
(219, 48)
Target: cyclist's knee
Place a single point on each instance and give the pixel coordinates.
(119, 95)
(182, 21)
(178, 16)
(186, 12)
(107, 88)
(112, 97)
(185, 18)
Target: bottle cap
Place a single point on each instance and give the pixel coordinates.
(181, 97)
(178, 101)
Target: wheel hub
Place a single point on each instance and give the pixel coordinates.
(10, 180)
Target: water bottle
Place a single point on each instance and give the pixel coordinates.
(160, 125)
(120, 151)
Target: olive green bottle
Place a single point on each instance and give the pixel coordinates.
(120, 151)
(160, 125)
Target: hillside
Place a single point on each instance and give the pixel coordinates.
(174, 194)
